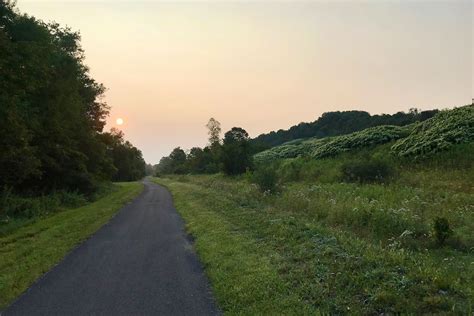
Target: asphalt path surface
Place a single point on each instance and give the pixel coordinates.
(140, 263)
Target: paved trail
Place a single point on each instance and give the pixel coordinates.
(140, 263)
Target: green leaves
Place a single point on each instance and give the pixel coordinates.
(439, 133)
(331, 146)
(51, 114)
(436, 134)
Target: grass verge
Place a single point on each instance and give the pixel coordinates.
(31, 250)
(310, 250)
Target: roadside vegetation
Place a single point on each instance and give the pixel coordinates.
(30, 250)
(53, 147)
(362, 227)
(57, 163)
(52, 114)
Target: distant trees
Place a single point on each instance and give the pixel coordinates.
(202, 160)
(127, 160)
(338, 123)
(236, 152)
(51, 113)
(149, 169)
(174, 163)
(232, 155)
(214, 132)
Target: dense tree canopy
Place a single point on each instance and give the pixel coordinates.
(236, 152)
(51, 113)
(174, 163)
(127, 159)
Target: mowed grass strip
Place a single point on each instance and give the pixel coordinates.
(30, 251)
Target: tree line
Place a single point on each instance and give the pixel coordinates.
(231, 155)
(52, 115)
(339, 123)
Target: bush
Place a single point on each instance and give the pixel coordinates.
(291, 169)
(15, 206)
(366, 171)
(266, 178)
(441, 230)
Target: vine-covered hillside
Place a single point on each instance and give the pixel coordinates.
(438, 133)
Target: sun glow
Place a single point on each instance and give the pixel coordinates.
(119, 121)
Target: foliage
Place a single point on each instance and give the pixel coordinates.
(339, 123)
(29, 250)
(366, 171)
(439, 133)
(127, 160)
(331, 146)
(198, 160)
(366, 138)
(296, 252)
(441, 230)
(51, 114)
(149, 169)
(236, 152)
(14, 206)
(266, 178)
(203, 160)
(214, 131)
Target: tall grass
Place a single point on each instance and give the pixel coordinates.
(17, 210)
(337, 246)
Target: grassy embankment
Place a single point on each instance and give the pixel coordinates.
(32, 248)
(322, 244)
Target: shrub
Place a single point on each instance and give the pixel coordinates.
(366, 171)
(266, 178)
(15, 206)
(290, 169)
(441, 230)
(71, 199)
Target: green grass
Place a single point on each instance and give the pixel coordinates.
(322, 245)
(29, 250)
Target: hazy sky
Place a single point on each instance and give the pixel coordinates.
(170, 66)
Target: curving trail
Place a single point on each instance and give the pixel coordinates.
(140, 263)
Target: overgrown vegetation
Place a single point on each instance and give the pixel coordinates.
(52, 117)
(339, 123)
(354, 224)
(266, 178)
(332, 146)
(31, 249)
(446, 129)
(366, 171)
(325, 245)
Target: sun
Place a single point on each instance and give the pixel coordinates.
(119, 121)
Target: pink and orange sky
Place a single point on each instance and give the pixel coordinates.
(170, 66)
